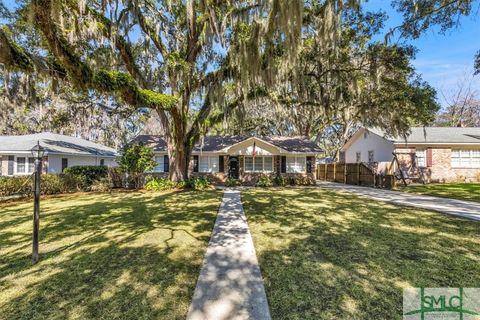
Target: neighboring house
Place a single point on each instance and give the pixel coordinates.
(61, 152)
(241, 157)
(432, 154)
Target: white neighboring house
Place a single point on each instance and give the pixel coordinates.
(61, 152)
(439, 154)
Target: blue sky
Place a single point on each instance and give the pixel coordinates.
(442, 59)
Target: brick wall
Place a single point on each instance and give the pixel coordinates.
(441, 170)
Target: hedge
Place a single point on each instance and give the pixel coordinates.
(78, 178)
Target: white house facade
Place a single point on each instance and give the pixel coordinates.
(61, 152)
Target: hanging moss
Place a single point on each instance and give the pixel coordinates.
(20, 59)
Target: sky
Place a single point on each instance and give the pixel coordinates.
(443, 60)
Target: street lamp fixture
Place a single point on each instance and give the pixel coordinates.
(37, 152)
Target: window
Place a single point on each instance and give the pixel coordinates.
(160, 167)
(341, 157)
(21, 165)
(465, 158)
(208, 163)
(420, 158)
(64, 164)
(31, 165)
(296, 164)
(358, 157)
(258, 164)
(102, 162)
(371, 156)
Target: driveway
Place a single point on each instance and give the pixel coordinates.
(464, 209)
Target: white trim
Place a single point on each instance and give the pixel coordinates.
(280, 150)
(263, 164)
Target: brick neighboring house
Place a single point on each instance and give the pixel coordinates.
(429, 154)
(222, 157)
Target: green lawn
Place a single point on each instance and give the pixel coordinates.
(462, 191)
(105, 256)
(327, 255)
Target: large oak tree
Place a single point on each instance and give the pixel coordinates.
(190, 61)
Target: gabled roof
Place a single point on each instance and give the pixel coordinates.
(54, 143)
(221, 143)
(436, 135)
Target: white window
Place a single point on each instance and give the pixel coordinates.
(258, 164)
(358, 157)
(160, 167)
(296, 164)
(208, 164)
(21, 165)
(371, 156)
(31, 165)
(420, 158)
(465, 158)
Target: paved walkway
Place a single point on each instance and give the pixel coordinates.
(465, 209)
(230, 285)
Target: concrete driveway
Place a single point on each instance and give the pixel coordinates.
(464, 209)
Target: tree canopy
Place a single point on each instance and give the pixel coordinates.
(289, 67)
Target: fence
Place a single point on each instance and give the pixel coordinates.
(354, 173)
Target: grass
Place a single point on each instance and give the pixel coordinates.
(327, 255)
(461, 191)
(105, 256)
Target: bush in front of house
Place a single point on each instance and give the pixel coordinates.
(159, 184)
(264, 181)
(280, 181)
(198, 183)
(10, 186)
(50, 184)
(88, 174)
(230, 182)
(135, 160)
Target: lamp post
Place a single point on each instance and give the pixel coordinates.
(37, 152)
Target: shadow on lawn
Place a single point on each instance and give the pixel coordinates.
(112, 256)
(325, 255)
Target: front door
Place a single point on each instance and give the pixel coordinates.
(233, 171)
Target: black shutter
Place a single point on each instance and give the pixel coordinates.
(195, 163)
(11, 159)
(165, 163)
(284, 164)
(64, 164)
(309, 164)
(221, 164)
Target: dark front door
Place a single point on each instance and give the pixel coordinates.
(233, 171)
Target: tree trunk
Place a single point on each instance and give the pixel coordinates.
(178, 150)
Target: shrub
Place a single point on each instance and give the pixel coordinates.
(15, 185)
(159, 184)
(89, 174)
(134, 161)
(232, 182)
(50, 184)
(102, 185)
(264, 181)
(116, 177)
(280, 181)
(303, 181)
(198, 183)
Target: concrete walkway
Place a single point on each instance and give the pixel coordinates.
(465, 209)
(230, 285)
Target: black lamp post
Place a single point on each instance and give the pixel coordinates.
(37, 152)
